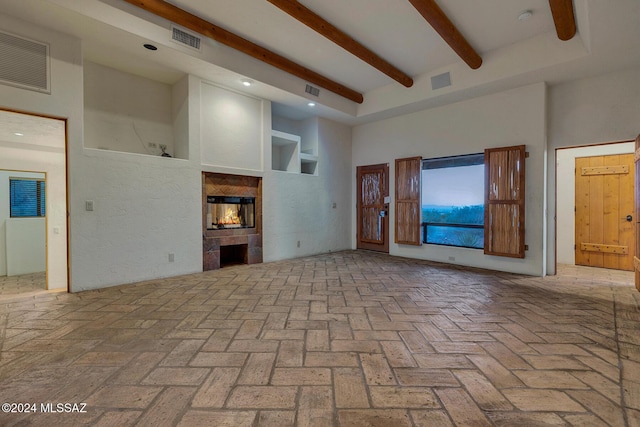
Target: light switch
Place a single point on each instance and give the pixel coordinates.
(88, 205)
(56, 230)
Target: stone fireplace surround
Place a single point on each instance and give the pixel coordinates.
(241, 245)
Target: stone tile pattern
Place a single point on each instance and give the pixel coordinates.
(343, 339)
(25, 284)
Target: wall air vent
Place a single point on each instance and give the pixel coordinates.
(181, 36)
(440, 81)
(312, 90)
(24, 63)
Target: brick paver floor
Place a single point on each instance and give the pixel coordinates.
(26, 285)
(342, 339)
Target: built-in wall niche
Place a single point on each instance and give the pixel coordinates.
(133, 114)
(289, 154)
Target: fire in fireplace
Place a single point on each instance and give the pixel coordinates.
(224, 212)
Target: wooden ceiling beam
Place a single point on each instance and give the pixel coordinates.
(194, 23)
(563, 18)
(342, 39)
(430, 10)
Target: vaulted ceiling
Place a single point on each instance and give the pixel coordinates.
(369, 58)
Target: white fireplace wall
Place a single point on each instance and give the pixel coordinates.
(306, 214)
(231, 129)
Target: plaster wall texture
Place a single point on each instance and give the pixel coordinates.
(64, 102)
(25, 246)
(231, 134)
(299, 207)
(589, 111)
(513, 117)
(180, 117)
(124, 112)
(145, 208)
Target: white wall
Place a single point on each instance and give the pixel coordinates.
(25, 246)
(587, 112)
(508, 118)
(299, 207)
(145, 207)
(566, 196)
(65, 101)
(124, 112)
(38, 240)
(232, 129)
(180, 115)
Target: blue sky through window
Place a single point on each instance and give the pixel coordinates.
(454, 186)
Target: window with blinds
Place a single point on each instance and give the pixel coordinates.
(26, 197)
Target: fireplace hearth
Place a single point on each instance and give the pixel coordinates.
(231, 220)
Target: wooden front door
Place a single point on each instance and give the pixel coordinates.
(373, 207)
(605, 235)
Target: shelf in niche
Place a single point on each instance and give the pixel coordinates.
(132, 153)
(285, 151)
(308, 164)
(287, 155)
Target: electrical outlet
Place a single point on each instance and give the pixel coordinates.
(452, 258)
(298, 243)
(171, 257)
(88, 205)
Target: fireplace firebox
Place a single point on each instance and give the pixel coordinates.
(224, 212)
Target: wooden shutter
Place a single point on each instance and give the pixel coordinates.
(408, 212)
(504, 201)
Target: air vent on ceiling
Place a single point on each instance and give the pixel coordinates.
(441, 80)
(24, 63)
(312, 90)
(185, 38)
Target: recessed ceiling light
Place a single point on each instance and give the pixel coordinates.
(246, 82)
(150, 46)
(18, 134)
(524, 15)
(311, 104)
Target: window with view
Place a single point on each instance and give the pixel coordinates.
(453, 201)
(26, 197)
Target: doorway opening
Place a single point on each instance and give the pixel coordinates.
(571, 241)
(23, 262)
(33, 205)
